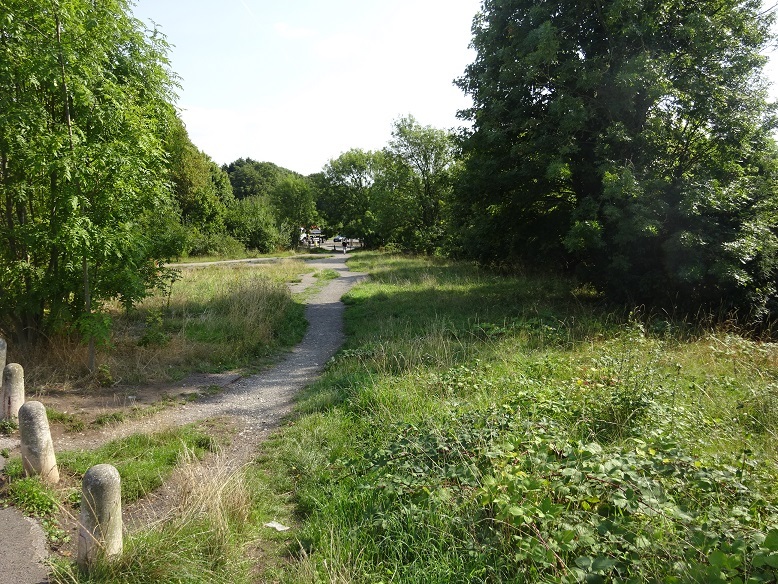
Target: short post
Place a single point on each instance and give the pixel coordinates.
(3, 354)
(36, 445)
(100, 531)
(12, 390)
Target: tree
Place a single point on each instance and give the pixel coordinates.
(250, 178)
(84, 101)
(416, 184)
(252, 221)
(201, 188)
(292, 199)
(345, 194)
(626, 138)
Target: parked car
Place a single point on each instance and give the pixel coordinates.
(337, 238)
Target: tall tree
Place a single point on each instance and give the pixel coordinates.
(345, 190)
(201, 188)
(295, 207)
(84, 100)
(416, 184)
(629, 138)
(250, 178)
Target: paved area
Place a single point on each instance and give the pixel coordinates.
(258, 403)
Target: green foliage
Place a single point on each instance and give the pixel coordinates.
(154, 334)
(294, 205)
(8, 426)
(615, 139)
(415, 186)
(250, 178)
(31, 496)
(217, 244)
(499, 429)
(345, 194)
(398, 196)
(85, 103)
(201, 189)
(251, 220)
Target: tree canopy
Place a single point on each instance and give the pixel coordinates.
(394, 196)
(628, 139)
(85, 97)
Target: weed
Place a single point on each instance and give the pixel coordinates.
(8, 426)
(71, 422)
(32, 496)
(508, 429)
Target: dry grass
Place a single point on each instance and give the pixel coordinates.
(214, 318)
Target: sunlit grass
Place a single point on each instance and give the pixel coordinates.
(446, 421)
(212, 318)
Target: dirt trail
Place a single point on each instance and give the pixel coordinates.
(257, 402)
(254, 404)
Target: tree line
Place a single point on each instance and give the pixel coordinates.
(627, 142)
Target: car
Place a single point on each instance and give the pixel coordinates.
(337, 238)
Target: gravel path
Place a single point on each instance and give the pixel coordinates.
(258, 402)
(255, 404)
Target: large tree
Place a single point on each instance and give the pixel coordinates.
(250, 178)
(345, 194)
(418, 169)
(628, 138)
(84, 102)
(295, 208)
(201, 188)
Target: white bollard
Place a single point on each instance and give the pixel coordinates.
(12, 390)
(36, 445)
(100, 531)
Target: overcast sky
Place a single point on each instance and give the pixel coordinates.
(298, 82)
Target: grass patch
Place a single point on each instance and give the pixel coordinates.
(210, 535)
(495, 429)
(143, 460)
(212, 319)
(71, 422)
(327, 274)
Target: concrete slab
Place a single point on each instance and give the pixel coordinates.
(24, 549)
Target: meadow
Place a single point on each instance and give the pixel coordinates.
(491, 428)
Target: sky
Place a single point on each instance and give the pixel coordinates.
(298, 82)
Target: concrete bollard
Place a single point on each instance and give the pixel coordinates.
(100, 530)
(36, 444)
(12, 390)
(3, 354)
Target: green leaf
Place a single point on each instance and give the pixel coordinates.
(603, 564)
(771, 541)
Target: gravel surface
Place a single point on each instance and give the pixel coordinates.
(254, 404)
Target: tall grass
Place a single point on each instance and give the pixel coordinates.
(203, 537)
(498, 429)
(212, 319)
